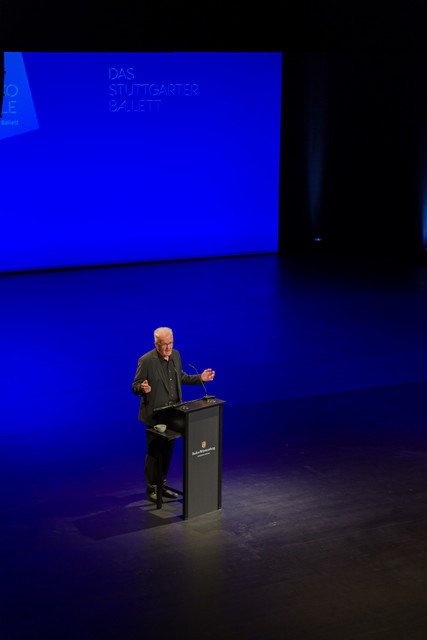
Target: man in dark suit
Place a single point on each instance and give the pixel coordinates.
(157, 382)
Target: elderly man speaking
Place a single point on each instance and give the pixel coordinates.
(157, 382)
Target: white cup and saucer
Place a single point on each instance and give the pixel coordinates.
(161, 428)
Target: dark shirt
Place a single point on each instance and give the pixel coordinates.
(169, 372)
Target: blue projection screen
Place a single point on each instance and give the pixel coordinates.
(112, 158)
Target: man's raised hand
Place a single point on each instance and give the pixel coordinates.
(207, 375)
(145, 387)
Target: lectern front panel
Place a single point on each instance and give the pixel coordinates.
(203, 462)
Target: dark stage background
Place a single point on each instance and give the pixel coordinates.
(319, 352)
(353, 138)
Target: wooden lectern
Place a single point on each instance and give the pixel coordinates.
(200, 423)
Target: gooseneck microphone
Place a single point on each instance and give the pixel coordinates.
(206, 397)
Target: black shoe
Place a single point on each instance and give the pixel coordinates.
(152, 494)
(167, 493)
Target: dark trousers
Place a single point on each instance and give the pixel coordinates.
(166, 447)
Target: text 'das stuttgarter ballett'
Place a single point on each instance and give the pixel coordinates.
(127, 95)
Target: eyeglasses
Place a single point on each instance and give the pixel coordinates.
(165, 344)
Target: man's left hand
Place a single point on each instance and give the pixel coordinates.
(207, 375)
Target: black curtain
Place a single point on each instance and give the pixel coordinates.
(353, 151)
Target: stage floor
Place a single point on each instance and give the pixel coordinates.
(322, 364)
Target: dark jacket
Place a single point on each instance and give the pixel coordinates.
(149, 368)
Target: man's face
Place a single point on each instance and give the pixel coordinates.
(164, 345)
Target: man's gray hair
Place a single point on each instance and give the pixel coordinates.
(162, 330)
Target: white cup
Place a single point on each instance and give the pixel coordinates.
(161, 428)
